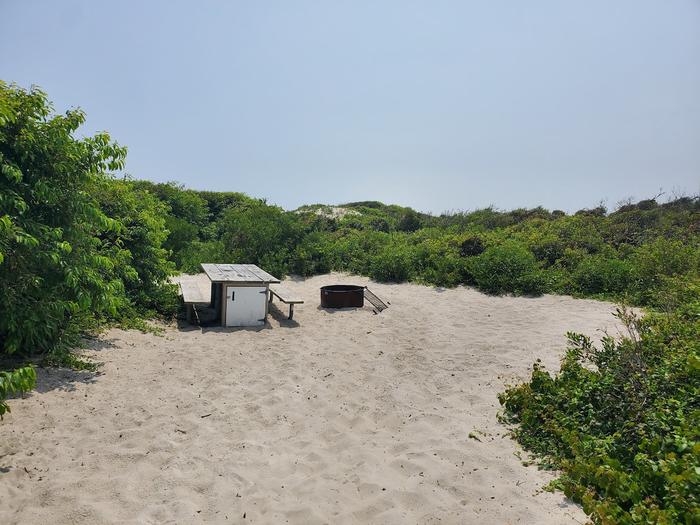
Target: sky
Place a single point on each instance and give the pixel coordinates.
(439, 105)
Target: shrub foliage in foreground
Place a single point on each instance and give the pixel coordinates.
(15, 382)
(622, 421)
(76, 246)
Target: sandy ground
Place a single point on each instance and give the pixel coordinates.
(335, 417)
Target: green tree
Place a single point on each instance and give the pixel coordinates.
(143, 266)
(52, 271)
(260, 234)
(186, 216)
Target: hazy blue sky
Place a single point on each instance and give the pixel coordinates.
(435, 104)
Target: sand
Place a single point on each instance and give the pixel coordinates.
(335, 417)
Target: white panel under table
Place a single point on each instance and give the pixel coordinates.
(246, 305)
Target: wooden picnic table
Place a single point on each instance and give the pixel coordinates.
(239, 293)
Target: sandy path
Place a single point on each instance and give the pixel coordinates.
(338, 417)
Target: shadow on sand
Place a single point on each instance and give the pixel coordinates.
(64, 379)
(281, 317)
(214, 326)
(50, 378)
(338, 310)
(98, 344)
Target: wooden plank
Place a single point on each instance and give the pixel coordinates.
(227, 273)
(244, 273)
(237, 273)
(192, 293)
(262, 274)
(212, 272)
(285, 295)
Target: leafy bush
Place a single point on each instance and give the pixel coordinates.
(600, 275)
(76, 246)
(622, 421)
(15, 382)
(509, 267)
(653, 263)
(582, 231)
(198, 252)
(311, 256)
(549, 250)
(438, 261)
(137, 245)
(395, 262)
(410, 221)
(52, 271)
(471, 247)
(260, 234)
(186, 213)
(353, 251)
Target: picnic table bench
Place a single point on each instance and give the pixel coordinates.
(193, 294)
(286, 296)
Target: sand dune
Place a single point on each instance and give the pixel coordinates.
(336, 417)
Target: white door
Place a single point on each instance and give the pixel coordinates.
(246, 305)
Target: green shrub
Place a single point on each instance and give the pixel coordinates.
(187, 219)
(15, 382)
(311, 256)
(471, 247)
(598, 274)
(507, 268)
(571, 258)
(655, 262)
(582, 232)
(395, 262)
(259, 234)
(410, 221)
(77, 247)
(137, 244)
(275, 262)
(438, 261)
(534, 283)
(197, 252)
(548, 250)
(53, 271)
(353, 251)
(622, 421)
(181, 234)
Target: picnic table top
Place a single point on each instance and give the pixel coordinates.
(237, 273)
(195, 292)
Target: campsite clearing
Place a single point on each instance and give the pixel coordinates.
(337, 416)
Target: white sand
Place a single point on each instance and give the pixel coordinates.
(337, 417)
